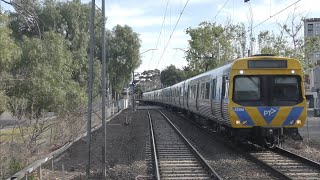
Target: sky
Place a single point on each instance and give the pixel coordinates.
(163, 44)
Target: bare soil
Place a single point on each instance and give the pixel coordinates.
(126, 149)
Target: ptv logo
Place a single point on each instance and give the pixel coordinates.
(269, 112)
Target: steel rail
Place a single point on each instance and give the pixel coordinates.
(298, 157)
(274, 171)
(200, 157)
(154, 147)
(286, 164)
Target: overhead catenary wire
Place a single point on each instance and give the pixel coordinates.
(274, 15)
(164, 18)
(221, 9)
(172, 33)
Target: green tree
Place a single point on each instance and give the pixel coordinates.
(171, 75)
(9, 51)
(46, 77)
(124, 56)
(270, 43)
(290, 42)
(9, 56)
(25, 19)
(212, 45)
(3, 102)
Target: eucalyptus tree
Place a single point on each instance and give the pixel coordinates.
(212, 45)
(45, 71)
(9, 56)
(124, 55)
(290, 42)
(171, 75)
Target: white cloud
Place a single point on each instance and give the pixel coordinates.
(118, 11)
(263, 10)
(151, 59)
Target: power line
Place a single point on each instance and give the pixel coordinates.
(172, 32)
(164, 18)
(221, 9)
(274, 15)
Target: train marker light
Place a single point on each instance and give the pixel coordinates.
(237, 122)
(298, 121)
(241, 72)
(292, 71)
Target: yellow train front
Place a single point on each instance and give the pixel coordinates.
(266, 98)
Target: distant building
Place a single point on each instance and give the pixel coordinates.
(312, 28)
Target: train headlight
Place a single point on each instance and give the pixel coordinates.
(292, 122)
(241, 71)
(244, 122)
(298, 121)
(292, 71)
(237, 122)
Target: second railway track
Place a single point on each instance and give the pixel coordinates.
(174, 156)
(287, 164)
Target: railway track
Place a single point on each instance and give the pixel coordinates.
(287, 165)
(173, 155)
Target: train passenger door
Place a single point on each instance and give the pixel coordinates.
(213, 97)
(188, 95)
(224, 95)
(197, 95)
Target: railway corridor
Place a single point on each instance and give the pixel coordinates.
(176, 159)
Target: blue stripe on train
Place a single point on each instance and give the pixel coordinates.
(293, 115)
(243, 116)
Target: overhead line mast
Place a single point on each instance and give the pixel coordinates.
(90, 86)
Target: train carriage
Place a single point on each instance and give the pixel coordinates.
(260, 96)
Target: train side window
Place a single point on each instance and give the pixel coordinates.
(202, 90)
(214, 86)
(188, 92)
(207, 90)
(193, 91)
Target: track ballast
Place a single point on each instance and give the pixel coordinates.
(174, 156)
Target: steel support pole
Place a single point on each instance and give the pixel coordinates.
(103, 89)
(133, 91)
(90, 84)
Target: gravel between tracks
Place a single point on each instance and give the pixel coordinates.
(227, 163)
(305, 148)
(126, 146)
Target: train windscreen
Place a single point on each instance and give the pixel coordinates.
(267, 90)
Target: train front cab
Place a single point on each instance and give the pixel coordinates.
(267, 98)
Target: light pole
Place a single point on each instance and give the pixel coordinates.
(181, 49)
(147, 51)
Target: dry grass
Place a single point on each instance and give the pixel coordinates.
(14, 145)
